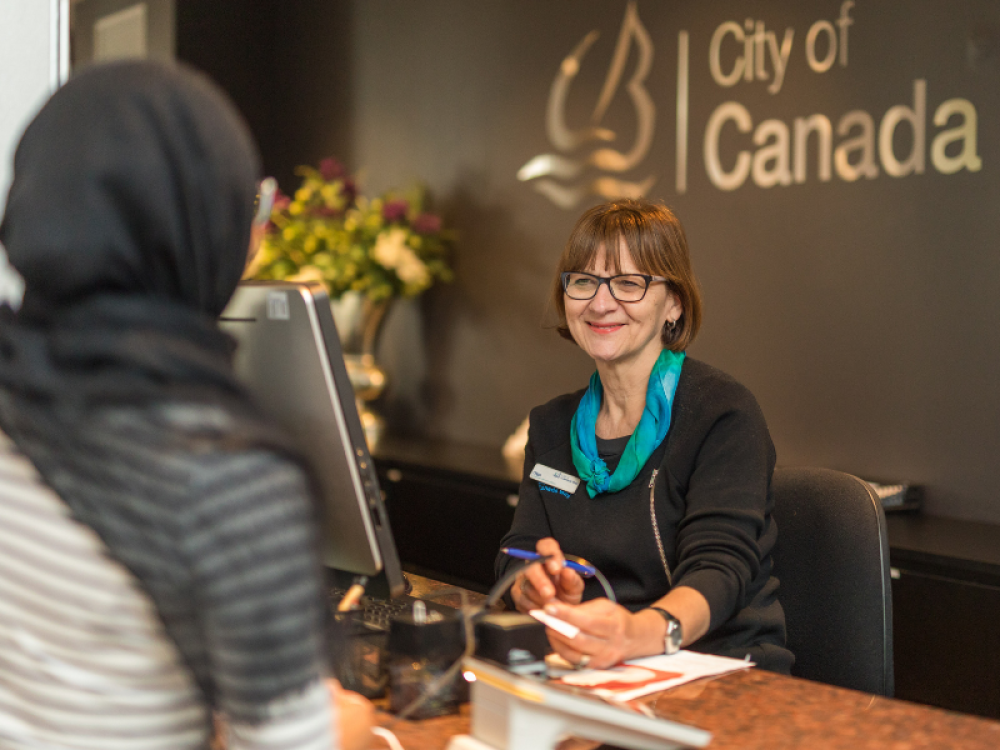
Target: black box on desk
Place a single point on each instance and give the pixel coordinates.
(513, 640)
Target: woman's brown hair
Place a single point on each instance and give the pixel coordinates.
(655, 241)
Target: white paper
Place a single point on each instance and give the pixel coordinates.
(560, 626)
(674, 670)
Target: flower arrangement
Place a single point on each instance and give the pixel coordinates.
(381, 247)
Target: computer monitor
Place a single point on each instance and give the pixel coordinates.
(290, 358)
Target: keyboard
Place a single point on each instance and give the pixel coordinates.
(378, 613)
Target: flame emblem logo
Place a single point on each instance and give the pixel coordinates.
(557, 176)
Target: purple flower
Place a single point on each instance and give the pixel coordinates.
(427, 224)
(395, 210)
(330, 169)
(349, 191)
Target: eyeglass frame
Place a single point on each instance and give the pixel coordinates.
(649, 279)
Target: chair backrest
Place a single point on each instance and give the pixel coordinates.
(832, 562)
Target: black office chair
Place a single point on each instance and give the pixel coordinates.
(832, 561)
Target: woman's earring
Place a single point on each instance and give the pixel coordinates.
(671, 326)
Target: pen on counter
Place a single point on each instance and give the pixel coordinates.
(353, 595)
(578, 564)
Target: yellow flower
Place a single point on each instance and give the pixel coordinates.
(344, 240)
(330, 195)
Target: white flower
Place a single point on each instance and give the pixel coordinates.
(390, 248)
(412, 271)
(392, 252)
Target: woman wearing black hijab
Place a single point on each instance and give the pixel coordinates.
(156, 535)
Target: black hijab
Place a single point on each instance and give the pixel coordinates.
(129, 219)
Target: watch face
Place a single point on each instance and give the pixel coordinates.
(674, 635)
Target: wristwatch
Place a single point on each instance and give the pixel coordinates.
(675, 634)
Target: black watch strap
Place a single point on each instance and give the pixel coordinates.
(675, 635)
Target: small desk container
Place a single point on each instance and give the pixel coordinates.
(358, 654)
(423, 646)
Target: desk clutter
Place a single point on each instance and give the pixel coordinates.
(426, 663)
(423, 650)
(749, 709)
(399, 645)
(406, 647)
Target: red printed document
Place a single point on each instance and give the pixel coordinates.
(639, 677)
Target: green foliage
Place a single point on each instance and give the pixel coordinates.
(384, 247)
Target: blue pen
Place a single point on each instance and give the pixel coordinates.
(572, 562)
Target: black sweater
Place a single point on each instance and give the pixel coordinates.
(713, 507)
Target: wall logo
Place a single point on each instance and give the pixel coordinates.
(565, 177)
(741, 148)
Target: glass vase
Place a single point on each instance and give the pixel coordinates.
(359, 324)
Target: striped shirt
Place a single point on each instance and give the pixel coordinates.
(84, 659)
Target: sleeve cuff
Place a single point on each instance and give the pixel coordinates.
(718, 592)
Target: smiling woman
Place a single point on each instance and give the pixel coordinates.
(617, 318)
(644, 239)
(674, 457)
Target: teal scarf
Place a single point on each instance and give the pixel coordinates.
(648, 435)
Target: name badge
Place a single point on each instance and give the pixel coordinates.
(558, 479)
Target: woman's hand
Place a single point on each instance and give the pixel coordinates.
(541, 583)
(355, 717)
(609, 633)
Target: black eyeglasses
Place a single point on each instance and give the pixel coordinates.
(625, 287)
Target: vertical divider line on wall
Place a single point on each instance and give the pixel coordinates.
(683, 95)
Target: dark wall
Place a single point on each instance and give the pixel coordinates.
(863, 314)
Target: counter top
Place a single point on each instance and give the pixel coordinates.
(756, 710)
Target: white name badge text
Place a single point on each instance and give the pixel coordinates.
(558, 479)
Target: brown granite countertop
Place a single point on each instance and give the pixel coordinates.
(756, 710)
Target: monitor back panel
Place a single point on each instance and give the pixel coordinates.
(290, 357)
